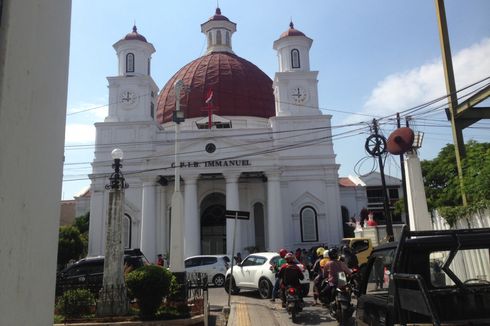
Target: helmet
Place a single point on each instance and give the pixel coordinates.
(320, 251)
(333, 254)
(289, 257)
(325, 254)
(283, 252)
(346, 248)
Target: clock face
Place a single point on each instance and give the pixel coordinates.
(298, 95)
(128, 98)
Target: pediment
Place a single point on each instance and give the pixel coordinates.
(307, 198)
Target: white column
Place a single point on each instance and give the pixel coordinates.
(417, 202)
(274, 212)
(96, 233)
(148, 220)
(192, 223)
(162, 223)
(232, 203)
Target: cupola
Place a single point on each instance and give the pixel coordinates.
(293, 48)
(218, 30)
(134, 54)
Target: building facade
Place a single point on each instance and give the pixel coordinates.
(248, 143)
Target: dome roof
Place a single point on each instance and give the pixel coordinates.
(239, 88)
(218, 16)
(134, 35)
(292, 32)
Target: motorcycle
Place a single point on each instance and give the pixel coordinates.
(341, 307)
(294, 302)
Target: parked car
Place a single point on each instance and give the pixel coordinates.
(254, 273)
(89, 272)
(425, 279)
(214, 266)
(361, 247)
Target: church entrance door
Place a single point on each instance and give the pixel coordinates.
(213, 224)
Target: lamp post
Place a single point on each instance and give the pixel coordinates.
(177, 216)
(112, 298)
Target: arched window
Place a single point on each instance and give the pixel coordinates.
(149, 66)
(218, 37)
(308, 224)
(127, 231)
(210, 39)
(295, 58)
(129, 62)
(227, 38)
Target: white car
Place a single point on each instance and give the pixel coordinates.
(255, 273)
(214, 266)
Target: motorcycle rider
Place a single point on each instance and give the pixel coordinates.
(275, 269)
(332, 270)
(349, 258)
(290, 275)
(318, 275)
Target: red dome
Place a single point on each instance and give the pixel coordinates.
(218, 16)
(134, 35)
(292, 32)
(239, 88)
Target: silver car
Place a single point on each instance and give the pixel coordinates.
(214, 266)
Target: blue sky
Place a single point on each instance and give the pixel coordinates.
(374, 58)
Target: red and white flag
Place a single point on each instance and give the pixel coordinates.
(209, 96)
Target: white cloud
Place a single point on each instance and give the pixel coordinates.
(401, 91)
(77, 133)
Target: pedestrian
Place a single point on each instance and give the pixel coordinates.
(160, 261)
(238, 258)
(371, 221)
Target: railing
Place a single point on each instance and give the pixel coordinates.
(198, 295)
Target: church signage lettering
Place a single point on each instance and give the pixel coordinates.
(208, 164)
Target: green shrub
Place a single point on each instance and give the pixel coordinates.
(76, 303)
(149, 285)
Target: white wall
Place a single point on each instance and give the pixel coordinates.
(34, 48)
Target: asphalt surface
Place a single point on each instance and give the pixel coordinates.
(247, 308)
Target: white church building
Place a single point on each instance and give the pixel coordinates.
(257, 145)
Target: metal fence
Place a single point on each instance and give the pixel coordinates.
(198, 295)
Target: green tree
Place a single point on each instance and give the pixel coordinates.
(70, 245)
(82, 224)
(441, 176)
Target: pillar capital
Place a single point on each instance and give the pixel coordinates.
(190, 179)
(147, 179)
(231, 177)
(273, 175)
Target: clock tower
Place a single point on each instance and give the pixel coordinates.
(295, 86)
(132, 93)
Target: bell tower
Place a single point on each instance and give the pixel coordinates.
(295, 86)
(133, 92)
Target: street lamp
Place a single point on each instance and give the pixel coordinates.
(177, 215)
(112, 298)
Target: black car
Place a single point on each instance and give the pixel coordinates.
(88, 273)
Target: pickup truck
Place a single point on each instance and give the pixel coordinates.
(426, 278)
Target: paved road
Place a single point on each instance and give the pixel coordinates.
(252, 310)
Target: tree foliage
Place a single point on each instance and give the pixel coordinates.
(441, 175)
(70, 245)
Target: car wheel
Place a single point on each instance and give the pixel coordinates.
(265, 288)
(234, 289)
(219, 280)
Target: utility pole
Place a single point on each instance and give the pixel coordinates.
(457, 131)
(404, 178)
(376, 146)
